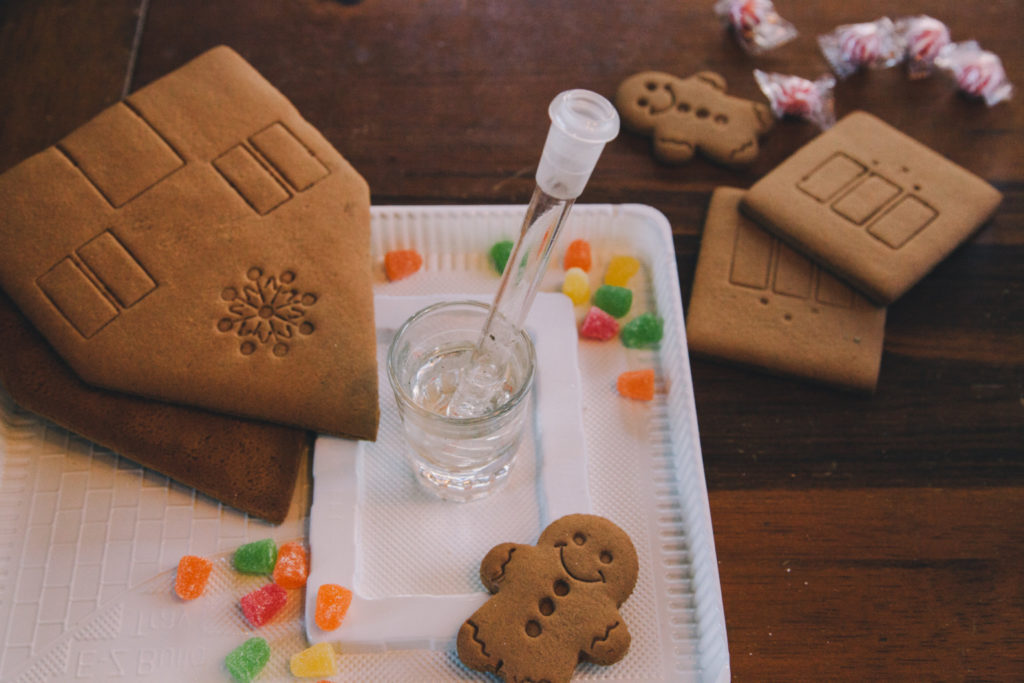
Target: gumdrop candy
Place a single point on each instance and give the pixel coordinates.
(246, 661)
(638, 384)
(314, 661)
(500, 253)
(193, 573)
(576, 285)
(613, 300)
(577, 255)
(599, 325)
(401, 263)
(642, 331)
(258, 557)
(263, 604)
(620, 269)
(292, 566)
(332, 602)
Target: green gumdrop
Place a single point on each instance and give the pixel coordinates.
(615, 301)
(643, 330)
(500, 253)
(246, 661)
(258, 557)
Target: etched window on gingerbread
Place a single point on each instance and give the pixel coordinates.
(285, 152)
(115, 267)
(91, 287)
(269, 167)
(794, 274)
(866, 199)
(831, 177)
(751, 257)
(120, 154)
(76, 297)
(905, 219)
(250, 179)
(831, 291)
(761, 261)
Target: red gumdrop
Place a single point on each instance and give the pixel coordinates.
(599, 325)
(263, 604)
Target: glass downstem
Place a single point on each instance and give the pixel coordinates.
(527, 262)
(488, 366)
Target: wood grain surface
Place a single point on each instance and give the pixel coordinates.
(859, 538)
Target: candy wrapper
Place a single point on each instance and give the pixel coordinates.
(756, 24)
(872, 44)
(977, 72)
(799, 97)
(921, 37)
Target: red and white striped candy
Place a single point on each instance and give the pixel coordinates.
(925, 37)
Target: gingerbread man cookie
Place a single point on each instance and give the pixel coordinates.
(554, 604)
(685, 115)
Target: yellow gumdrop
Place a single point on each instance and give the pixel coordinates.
(314, 662)
(620, 269)
(576, 285)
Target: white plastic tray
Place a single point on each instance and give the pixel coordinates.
(89, 541)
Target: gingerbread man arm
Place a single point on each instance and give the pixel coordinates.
(763, 116)
(716, 81)
(612, 643)
(473, 651)
(495, 563)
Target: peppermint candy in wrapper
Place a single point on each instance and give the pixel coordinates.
(921, 37)
(977, 72)
(799, 97)
(871, 44)
(756, 24)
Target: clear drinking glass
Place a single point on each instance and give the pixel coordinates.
(457, 458)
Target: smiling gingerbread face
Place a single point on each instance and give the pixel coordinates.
(594, 552)
(687, 115)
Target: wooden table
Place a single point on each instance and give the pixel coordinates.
(859, 538)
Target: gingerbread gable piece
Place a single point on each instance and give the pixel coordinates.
(201, 243)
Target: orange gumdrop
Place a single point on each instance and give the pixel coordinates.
(402, 263)
(332, 602)
(577, 255)
(292, 565)
(638, 384)
(193, 573)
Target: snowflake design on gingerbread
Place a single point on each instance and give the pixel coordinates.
(267, 311)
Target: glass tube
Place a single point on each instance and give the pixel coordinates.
(581, 123)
